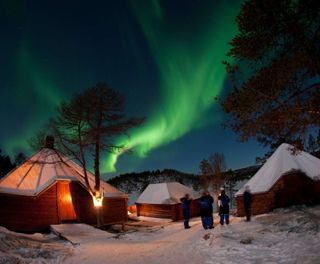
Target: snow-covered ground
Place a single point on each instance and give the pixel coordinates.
(289, 235)
(16, 248)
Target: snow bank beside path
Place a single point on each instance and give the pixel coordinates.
(16, 248)
(286, 236)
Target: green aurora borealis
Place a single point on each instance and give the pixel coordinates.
(190, 70)
(50, 55)
(30, 74)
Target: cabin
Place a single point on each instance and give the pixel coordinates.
(49, 188)
(287, 178)
(162, 200)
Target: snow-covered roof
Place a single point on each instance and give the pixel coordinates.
(42, 170)
(281, 162)
(166, 193)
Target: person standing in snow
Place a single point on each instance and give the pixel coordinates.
(223, 203)
(186, 200)
(206, 210)
(247, 202)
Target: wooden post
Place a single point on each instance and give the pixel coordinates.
(99, 222)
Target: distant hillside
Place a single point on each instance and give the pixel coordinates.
(245, 173)
(137, 182)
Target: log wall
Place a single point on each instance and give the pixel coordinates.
(171, 211)
(291, 189)
(29, 214)
(114, 210)
(36, 214)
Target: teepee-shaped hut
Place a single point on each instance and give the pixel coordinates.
(162, 200)
(286, 179)
(49, 188)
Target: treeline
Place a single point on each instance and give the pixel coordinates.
(7, 164)
(137, 182)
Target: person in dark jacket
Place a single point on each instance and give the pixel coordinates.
(206, 210)
(186, 200)
(247, 202)
(223, 203)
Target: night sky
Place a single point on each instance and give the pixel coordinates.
(165, 56)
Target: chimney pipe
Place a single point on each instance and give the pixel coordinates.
(49, 142)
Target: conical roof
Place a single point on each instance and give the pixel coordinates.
(42, 170)
(166, 193)
(282, 162)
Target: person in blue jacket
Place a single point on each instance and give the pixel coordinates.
(205, 203)
(223, 203)
(247, 202)
(186, 200)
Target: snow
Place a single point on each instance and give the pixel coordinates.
(43, 169)
(78, 233)
(287, 236)
(166, 193)
(16, 248)
(290, 235)
(282, 161)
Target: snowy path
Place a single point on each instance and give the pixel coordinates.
(287, 236)
(167, 244)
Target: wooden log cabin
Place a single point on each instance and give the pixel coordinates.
(50, 189)
(286, 179)
(162, 200)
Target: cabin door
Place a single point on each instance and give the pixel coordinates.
(65, 205)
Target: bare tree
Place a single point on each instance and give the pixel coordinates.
(218, 164)
(205, 174)
(87, 125)
(212, 171)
